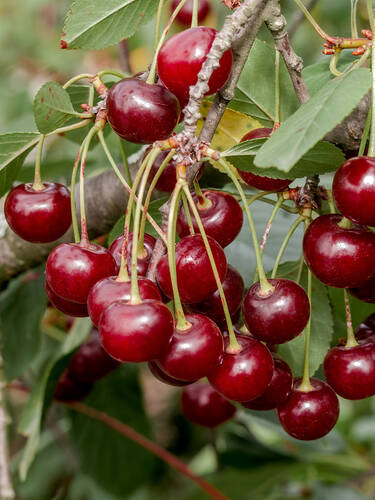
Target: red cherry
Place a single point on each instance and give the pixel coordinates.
(278, 390)
(136, 332)
(181, 57)
(353, 189)
(194, 352)
(245, 375)
(309, 415)
(158, 373)
(279, 316)
(142, 113)
(194, 274)
(185, 15)
(366, 330)
(222, 219)
(39, 216)
(68, 389)
(202, 405)
(142, 261)
(258, 181)
(366, 292)
(339, 257)
(109, 290)
(65, 306)
(233, 287)
(370, 321)
(73, 269)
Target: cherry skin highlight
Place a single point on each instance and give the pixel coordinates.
(72, 269)
(193, 353)
(158, 373)
(366, 292)
(202, 405)
(185, 15)
(109, 290)
(342, 258)
(136, 332)
(142, 113)
(258, 181)
(279, 316)
(65, 306)
(142, 261)
(39, 216)
(244, 375)
(278, 390)
(353, 189)
(222, 219)
(194, 275)
(181, 57)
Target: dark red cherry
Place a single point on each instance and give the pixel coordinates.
(279, 316)
(258, 181)
(244, 375)
(370, 321)
(181, 57)
(343, 258)
(72, 269)
(233, 287)
(142, 113)
(202, 405)
(366, 330)
(353, 189)
(185, 14)
(136, 332)
(65, 306)
(309, 415)
(142, 261)
(39, 216)
(194, 274)
(109, 290)
(366, 292)
(69, 390)
(221, 215)
(193, 353)
(158, 373)
(278, 390)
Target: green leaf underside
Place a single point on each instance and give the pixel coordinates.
(52, 107)
(96, 24)
(313, 120)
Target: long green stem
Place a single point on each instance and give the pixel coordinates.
(125, 162)
(38, 185)
(371, 149)
(350, 338)
(68, 128)
(73, 196)
(157, 23)
(310, 18)
(370, 11)
(203, 202)
(300, 268)
(112, 72)
(305, 383)
(194, 17)
(76, 79)
(353, 18)
(277, 88)
(187, 213)
(365, 134)
(330, 201)
(284, 244)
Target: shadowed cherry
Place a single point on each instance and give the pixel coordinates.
(65, 306)
(69, 390)
(142, 260)
(158, 373)
(185, 15)
(366, 292)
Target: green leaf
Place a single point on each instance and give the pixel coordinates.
(94, 24)
(52, 107)
(313, 120)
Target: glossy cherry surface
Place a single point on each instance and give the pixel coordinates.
(278, 390)
(66, 306)
(109, 290)
(193, 353)
(308, 415)
(245, 375)
(185, 14)
(259, 181)
(158, 373)
(142, 113)
(68, 389)
(353, 189)
(142, 260)
(366, 292)
(343, 258)
(221, 216)
(136, 332)
(72, 269)
(181, 57)
(194, 274)
(279, 316)
(202, 405)
(39, 216)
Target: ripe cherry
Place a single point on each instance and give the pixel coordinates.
(193, 353)
(185, 14)
(72, 269)
(39, 216)
(202, 405)
(309, 415)
(278, 316)
(221, 216)
(142, 113)
(353, 189)
(366, 330)
(181, 57)
(142, 260)
(259, 181)
(366, 292)
(68, 389)
(244, 375)
(136, 332)
(66, 306)
(194, 274)
(278, 390)
(158, 373)
(109, 290)
(339, 257)
(370, 321)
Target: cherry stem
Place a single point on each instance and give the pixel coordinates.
(300, 268)
(125, 162)
(371, 148)
(157, 24)
(38, 185)
(285, 242)
(310, 18)
(73, 197)
(194, 17)
(345, 223)
(305, 383)
(187, 213)
(370, 11)
(350, 337)
(112, 72)
(365, 134)
(353, 18)
(277, 89)
(76, 79)
(333, 64)
(203, 202)
(68, 128)
(265, 286)
(330, 201)
(234, 346)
